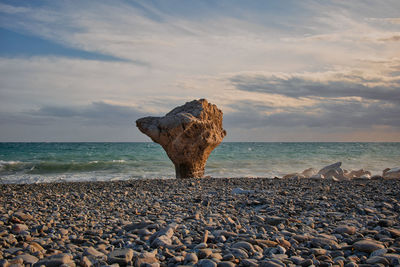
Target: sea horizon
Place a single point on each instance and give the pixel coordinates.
(34, 162)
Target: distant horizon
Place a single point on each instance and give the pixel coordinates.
(219, 144)
(281, 71)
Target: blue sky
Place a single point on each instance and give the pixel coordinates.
(279, 70)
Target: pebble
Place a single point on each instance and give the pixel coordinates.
(367, 245)
(226, 264)
(303, 222)
(346, 229)
(120, 256)
(56, 260)
(191, 258)
(28, 259)
(206, 263)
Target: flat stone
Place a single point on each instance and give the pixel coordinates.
(207, 263)
(379, 252)
(23, 216)
(139, 225)
(322, 242)
(28, 259)
(35, 247)
(191, 258)
(377, 259)
(226, 264)
(394, 259)
(239, 253)
(346, 229)
(275, 220)
(163, 236)
(204, 253)
(244, 245)
(85, 262)
(394, 232)
(120, 256)
(249, 262)
(55, 260)
(93, 252)
(150, 259)
(271, 263)
(19, 227)
(241, 191)
(368, 245)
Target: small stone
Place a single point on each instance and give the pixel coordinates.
(28, 259)
(281, 249)
(18, 228)
(239, 191)
(139, 225)
(275, 220)
(249, 262)
(226, 264)
(239, 253)
(385, 223)
(23, 216)
(394, 259)
(244, 245)
(120, 256)
(379, 252)
(306, 262)
(228, 257)
(346, 229)
(85, 262)
(377, 259)
(367, 245)
(394, 232)
(148, 259)
(93, 252)
(35, 247)
(393, 173)
(55, 260)
(322, 242)
(271, 263)
(296, 259)
(204, 253)
(318, 251)
(201, 246)
(191, 258)
(207, 263)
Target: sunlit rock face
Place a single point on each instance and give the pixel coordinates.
(188, 134)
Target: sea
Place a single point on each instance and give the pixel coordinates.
(66, 162)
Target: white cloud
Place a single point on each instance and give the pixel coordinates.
(177, 58)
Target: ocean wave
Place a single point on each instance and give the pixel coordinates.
(48, 167)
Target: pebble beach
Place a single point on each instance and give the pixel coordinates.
(201, 222)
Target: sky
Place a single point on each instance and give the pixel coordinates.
(280, 70)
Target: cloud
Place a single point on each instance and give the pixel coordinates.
(324, 115)
(325, 85)
(394, 38)
(299, 63)
(97, 113)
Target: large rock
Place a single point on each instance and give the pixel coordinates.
(393, 173)
(357, 174)
(188, 134)
(332, 171)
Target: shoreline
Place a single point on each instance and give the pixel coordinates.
(208, 222)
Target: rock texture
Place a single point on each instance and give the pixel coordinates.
(188, 134)
(393, 173)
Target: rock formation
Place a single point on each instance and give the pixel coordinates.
(393, 173)
(188, 134)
